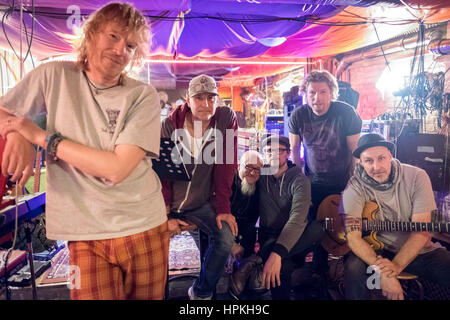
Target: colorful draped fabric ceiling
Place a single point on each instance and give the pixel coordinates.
(232, 30)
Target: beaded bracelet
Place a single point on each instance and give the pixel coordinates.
(52, 144)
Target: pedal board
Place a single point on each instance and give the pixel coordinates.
(16, 261)
(23, 277)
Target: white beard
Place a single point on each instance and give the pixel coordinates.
(248, 189)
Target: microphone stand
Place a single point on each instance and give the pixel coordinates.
(27, 226)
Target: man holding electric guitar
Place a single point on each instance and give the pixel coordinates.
(401, 193)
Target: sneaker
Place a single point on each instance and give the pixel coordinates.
(193, 296)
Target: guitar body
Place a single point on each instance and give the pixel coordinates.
(334, 242)
(369, 214)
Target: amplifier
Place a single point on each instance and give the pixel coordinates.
(426, 151)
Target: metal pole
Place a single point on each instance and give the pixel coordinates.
(27, 224)
(20, 40)
(30, 257)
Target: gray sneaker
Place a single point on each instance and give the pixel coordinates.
(193, 296)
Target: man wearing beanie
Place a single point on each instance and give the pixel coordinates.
(285, 236)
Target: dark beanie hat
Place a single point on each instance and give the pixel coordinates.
(282, 140)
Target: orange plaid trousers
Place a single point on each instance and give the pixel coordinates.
(132, 267)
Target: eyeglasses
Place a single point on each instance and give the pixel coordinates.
(278, 150)
(252, 169)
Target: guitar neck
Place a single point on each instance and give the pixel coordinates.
(405, 226)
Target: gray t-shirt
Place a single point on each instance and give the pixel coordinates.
(411, 193)
(80, 206)
(328, 157)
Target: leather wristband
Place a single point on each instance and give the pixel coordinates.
(52, 143)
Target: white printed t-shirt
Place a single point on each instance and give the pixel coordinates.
(80, 206)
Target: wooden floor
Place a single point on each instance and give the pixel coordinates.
(306, 286)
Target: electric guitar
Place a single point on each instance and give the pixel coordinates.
(335, 241)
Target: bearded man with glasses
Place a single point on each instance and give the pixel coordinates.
(245, 198)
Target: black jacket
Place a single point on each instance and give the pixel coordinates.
(244, 208)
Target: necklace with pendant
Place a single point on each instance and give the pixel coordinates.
(97, 89)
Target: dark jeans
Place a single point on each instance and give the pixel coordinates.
(434, 266)
(247, 236)
(311, 236)
(221, 242)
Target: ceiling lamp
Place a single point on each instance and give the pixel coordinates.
(272, 42)
(231, 69)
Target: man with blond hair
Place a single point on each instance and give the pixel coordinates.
(102, 193)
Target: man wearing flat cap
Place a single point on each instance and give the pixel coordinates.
(402, 193)
(206, 136)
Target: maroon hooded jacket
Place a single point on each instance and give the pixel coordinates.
(210, 182)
